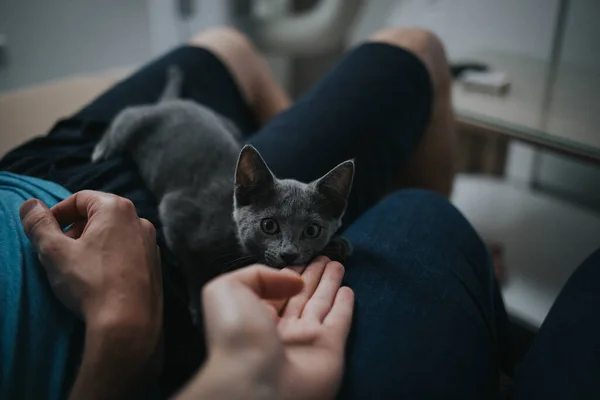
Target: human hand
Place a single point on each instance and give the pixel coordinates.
(262, 347)
(314, 327)
(106, 267)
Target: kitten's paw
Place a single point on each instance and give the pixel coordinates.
(338, 249)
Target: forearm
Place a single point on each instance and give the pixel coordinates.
(116, 362)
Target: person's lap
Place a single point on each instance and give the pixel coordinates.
(427, 318)
(419, 270)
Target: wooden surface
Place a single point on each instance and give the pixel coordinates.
(33, 111)
(562, 115)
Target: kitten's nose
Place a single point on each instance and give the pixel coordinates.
(289, 258)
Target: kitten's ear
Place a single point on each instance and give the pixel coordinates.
(252, 176)
(336, 185)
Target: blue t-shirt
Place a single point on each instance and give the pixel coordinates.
(40, 340)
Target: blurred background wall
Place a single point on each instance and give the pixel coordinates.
(49, 39)
(46, 39)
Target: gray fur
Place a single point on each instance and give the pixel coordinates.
(192, 160)
(292, 204)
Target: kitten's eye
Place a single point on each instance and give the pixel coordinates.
(269, 226)
(312, 231)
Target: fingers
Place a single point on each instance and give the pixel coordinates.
(82, 205)
(321, 302)
(74, 208)
(311, 276)
(279, 305)
(273, 311)
(234, 314)
(75, 231)
(42, 229)
(265, 282)
(339, 318)
(299, 269)
(148, 229)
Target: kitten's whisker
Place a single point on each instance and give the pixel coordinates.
(232, 264)
(235, 255)
(230, 268)
(239, 259)
(223, 256)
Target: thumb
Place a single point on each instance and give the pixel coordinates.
(41, 228)
(268, 283)
(234, 314)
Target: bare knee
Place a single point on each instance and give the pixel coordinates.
(226, 41)
(236, 51)
(248, 67)
(425, 45)
(432, 164)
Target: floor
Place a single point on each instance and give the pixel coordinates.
(544, 239)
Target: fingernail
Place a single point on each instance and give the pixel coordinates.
(28, 207)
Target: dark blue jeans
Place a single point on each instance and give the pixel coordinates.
(427, 315)
(429, 320)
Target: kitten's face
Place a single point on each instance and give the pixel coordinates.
(286, 222)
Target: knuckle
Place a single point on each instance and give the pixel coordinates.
(125, 203)
(34, 222)
(124, 206)
(49, 247)
(87, 193)
(89, 196)
(336, 266)
(148, 226)
(108, 202)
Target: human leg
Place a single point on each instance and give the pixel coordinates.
(386, 105)
(564, 359)
(432, 166)
(248, 68)
(428, 321)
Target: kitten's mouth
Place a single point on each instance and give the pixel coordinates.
(276, 263)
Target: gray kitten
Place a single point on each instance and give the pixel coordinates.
(220, 205)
